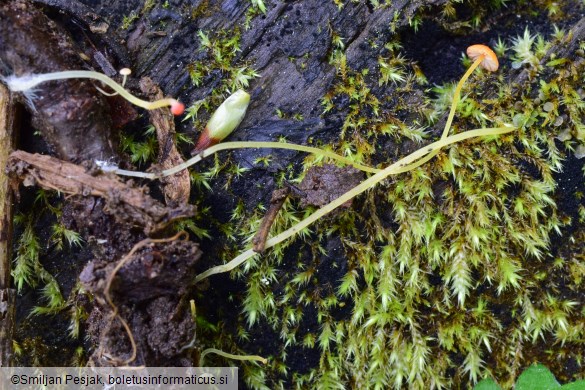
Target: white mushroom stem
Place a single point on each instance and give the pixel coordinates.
(29, 82)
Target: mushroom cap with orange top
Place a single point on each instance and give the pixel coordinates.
(490, 60)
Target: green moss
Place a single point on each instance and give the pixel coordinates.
(219, 67)
(28, 269)
(141, 151)
(461, 278)
(128, 20)
(440, 276)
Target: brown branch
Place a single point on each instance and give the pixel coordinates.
(126, 203)
(276, 202)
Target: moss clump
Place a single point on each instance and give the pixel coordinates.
(218, 66)
(445, 275)
(35, 336)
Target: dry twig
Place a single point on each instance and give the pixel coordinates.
(276, 202)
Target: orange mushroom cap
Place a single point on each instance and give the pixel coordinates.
(490, 60)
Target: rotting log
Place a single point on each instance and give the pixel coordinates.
(289, 46)
(164, 40)
(268, 46)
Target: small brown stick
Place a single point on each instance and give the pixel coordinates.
(177, 186)
(124, 201)
(276, 202)
(147, 241)
(7, 295)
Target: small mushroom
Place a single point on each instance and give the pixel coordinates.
(177, 108)
(486, 57)
(482, 56)
(125, 72)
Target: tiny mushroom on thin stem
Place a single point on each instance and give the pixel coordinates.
(486, 57)
(125, 72)
(482, 56)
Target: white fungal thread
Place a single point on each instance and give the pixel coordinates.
(106, 166)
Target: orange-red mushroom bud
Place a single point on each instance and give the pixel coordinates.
(489, 59)
(177, 108)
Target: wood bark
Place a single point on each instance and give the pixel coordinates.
(177, 187)
(7, 294)
(289, 46)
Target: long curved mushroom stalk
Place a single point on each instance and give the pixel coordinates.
(407, 163)
(27, 83)
(482, 56)
(241, 145)
(230, 356)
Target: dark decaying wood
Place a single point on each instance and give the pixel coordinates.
(289, 47)
(7, 294)
(72, 116)
(156, 274)
(91, 23)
